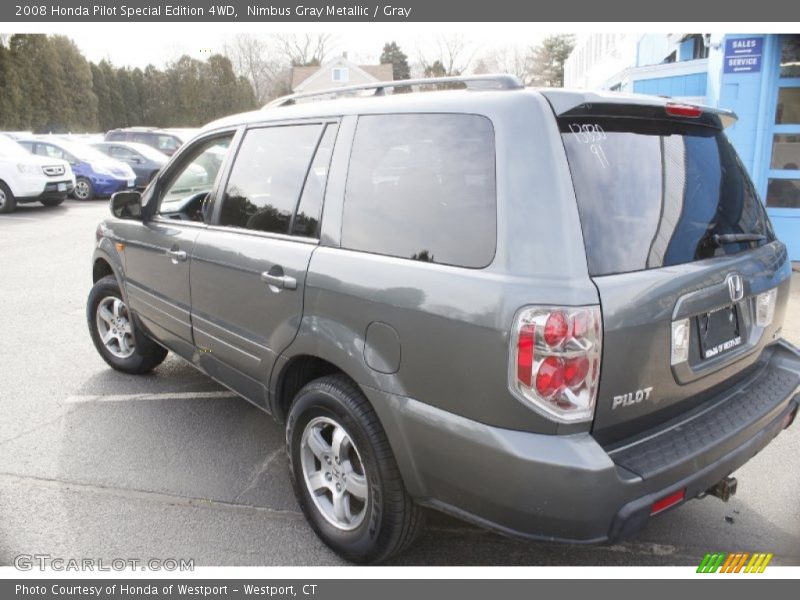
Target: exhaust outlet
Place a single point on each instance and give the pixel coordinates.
(723, 489)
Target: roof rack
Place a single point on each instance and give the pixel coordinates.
(472, 82)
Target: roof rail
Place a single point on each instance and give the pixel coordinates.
(472, 82)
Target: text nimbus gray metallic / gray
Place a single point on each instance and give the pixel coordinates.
(329, 10)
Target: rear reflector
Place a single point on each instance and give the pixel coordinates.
(683, 110)
(525, 354)
(667, 501)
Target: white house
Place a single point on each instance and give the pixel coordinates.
(338, 72)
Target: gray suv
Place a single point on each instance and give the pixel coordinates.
(554, 314)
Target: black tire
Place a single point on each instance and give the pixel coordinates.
(8, 203)
(84, 190)
(146, 354)
(51, 202)
(391, 519)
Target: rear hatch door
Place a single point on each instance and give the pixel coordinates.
(676, 237)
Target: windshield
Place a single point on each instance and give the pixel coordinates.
(9, 147)
(655, 193)
(149, 152)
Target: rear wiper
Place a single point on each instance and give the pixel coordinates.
(735, 238)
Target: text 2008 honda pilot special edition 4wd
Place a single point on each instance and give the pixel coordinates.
(555, 314)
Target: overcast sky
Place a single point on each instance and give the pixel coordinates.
(136, 46)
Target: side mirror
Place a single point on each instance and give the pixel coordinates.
(136, 160)
(127, 205)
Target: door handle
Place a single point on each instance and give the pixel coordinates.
(284, 282)
(177, 255)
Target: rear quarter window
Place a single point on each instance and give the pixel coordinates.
(422, 187)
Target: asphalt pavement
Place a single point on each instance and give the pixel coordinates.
(94, 463)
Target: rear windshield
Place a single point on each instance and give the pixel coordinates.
(654, 193)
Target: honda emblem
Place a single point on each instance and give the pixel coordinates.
(735, 286)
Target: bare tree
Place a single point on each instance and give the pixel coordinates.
(306, 49)
(508, 59)
(453, 56)
(260, 59)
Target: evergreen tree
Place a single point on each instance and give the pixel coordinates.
(549, 57)
(47, 85)
(11, 112)
(398, 59)
(81, 102)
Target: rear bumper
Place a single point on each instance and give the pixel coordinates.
(569, 488)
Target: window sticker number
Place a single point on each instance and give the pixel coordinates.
(593, 135)
(588, 133)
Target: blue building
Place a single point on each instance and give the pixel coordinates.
(756, 75)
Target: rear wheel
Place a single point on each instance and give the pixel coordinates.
(112, 330)
(84, 190)
(344, 474)
(50, 202)
(7, 201)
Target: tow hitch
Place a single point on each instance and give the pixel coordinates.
(724, 489)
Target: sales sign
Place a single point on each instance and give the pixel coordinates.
(743, 55)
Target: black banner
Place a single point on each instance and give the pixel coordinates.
(305, 11)
(394, 589)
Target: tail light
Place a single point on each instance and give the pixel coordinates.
(555, 361)
(683, 110)
(680, 342)
(765, 307)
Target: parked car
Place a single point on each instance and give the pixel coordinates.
(95, 173)
(80, 138)
(16, 135)
(166, 141)
(556, 314)
(145, 160)
(28, 178)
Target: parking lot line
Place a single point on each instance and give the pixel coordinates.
(18, 218)
(81, 399)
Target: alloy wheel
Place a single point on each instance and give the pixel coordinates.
(81, 190)
(334, 473)
(114, 327)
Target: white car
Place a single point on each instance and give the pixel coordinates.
(25, 177)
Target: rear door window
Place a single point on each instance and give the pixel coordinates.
(266, 180)
(168, 143)
(422, 187)
(654, 193)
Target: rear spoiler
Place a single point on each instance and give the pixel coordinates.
(568, 103)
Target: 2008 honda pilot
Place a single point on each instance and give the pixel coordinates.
(552, 313)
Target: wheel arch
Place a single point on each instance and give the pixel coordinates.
(295, 373)
(102, 268)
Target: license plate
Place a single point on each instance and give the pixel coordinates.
(62, 187)
(131, 182)
(719, 331)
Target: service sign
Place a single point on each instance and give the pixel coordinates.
(743, 55)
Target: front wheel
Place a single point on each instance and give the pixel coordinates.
(111, 328)
(84, 190)
(344, 474)
(8, 203)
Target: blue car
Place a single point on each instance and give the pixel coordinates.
(96, 175)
